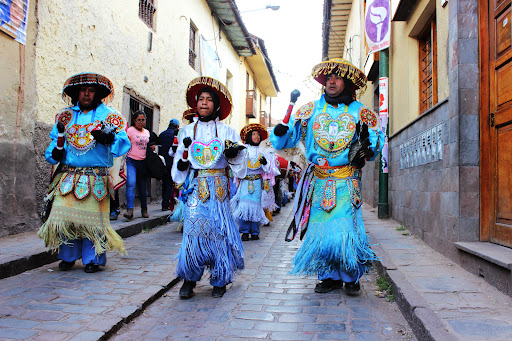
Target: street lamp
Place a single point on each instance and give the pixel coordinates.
(274, 8)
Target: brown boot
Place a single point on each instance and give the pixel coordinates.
(129, 213)
(145, 213)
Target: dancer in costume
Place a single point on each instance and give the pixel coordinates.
(206, 149)
(85, 138)
(246, 204)
(268, 199)
(339, 133)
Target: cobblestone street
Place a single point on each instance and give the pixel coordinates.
(265, 302)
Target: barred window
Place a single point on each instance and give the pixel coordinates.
(192, 47)
(428, 66)
(147, 11)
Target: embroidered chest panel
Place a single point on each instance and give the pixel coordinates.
(305, 111)
(254, 164)
(334, 134)
(206, 154)
(369, 117)
(79, 136)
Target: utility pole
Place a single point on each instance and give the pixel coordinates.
(383, 208)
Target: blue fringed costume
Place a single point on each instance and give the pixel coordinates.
(328, 198)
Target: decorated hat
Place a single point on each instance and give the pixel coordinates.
(104, 87)
(343, 68)
(251, 127)
(188, 114)
(199, 83)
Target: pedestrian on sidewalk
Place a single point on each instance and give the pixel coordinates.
(246, 204)
(339, 134)
(85, 138)
(136, 165)
(207, 147)
(166, 139)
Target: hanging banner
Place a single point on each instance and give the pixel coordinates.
(383, 114)
(377, 24)
(13, 19)
(209, 61)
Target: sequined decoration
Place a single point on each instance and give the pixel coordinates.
(355, 192)
(204, 191)
(369, 117)
(115, 119)
(331, 134)
(266, 185)
(67, 184)
(250, 187)
(220, 189)
(79, 137)
(206, 154)
(303, 129)
(99, 190)
(305, 111)
(82, 188)
(329, 196)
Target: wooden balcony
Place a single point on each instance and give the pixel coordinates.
(250, 104)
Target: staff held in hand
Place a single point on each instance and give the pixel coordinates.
(282, 128)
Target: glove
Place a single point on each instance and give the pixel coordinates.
(280, 129)
(360, 156)
(187, 141)
(362, 131)
(183, 165)
(102, 137)
(263, 161)
(60, 127)
(57, 154)
(232, 149)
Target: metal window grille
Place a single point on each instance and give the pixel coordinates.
(192, 47)
(147, 11)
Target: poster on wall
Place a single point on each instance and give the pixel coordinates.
(13, 19)
(383, 114)
(209, 61)
(377, 24)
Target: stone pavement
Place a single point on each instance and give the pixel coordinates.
(265, 302)
(440, 300)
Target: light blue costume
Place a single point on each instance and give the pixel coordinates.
(328, 197)
(84, 159)
(246, 204)
(210, 235)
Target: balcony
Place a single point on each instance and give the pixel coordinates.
(250, 104)
(263, 118)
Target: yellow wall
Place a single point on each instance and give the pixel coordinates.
(78, 36)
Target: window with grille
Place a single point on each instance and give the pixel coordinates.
(192, 47)
(428, 66)
(147, 11)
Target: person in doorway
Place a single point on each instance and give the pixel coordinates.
(246, 204)
(206, 148)
(339, 134)
(136, 165)
(85, 138)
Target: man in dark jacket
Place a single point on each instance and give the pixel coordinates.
(166, 139)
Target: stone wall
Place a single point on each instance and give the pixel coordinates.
(370, 183)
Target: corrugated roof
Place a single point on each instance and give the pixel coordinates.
(226, 11)
(336, 13)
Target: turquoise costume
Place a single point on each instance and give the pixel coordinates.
(328, 198)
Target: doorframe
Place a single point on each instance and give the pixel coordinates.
(486, 197)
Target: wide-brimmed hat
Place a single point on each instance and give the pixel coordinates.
(343, 68)
(199, 83)
(104, 87)
(251, 127)
(188, 114)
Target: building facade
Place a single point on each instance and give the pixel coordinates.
(149, 49)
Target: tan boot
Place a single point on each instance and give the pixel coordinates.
(145, 213)
(129, 213)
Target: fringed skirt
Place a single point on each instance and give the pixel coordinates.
(246, 204)
(72, 218)
(336, 238)
(268, 198)
(210, 234)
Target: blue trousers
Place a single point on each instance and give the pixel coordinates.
(341, 275)
(196, 274)
(81, 248)
(135, 176)
(250, 227)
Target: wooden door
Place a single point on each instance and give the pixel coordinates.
(497, 165)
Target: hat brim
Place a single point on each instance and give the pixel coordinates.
(199, 83)
(344, 69)
(104, 87)
(251, 127)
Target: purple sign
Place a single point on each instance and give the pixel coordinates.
(377, 21)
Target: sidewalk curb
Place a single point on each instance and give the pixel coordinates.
(425, 324)
(20, 265)
(137, 312)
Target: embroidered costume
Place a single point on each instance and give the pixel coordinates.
(328, 197)
(78, 223)
(210, 234)
(247, 203)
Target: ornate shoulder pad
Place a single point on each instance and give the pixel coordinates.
(305, 111)
(64, 116)
(115, 119)
(369, 117)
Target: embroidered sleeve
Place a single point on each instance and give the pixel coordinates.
(115, 119)
(305, 111)
(369, 117)
(64, 116)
